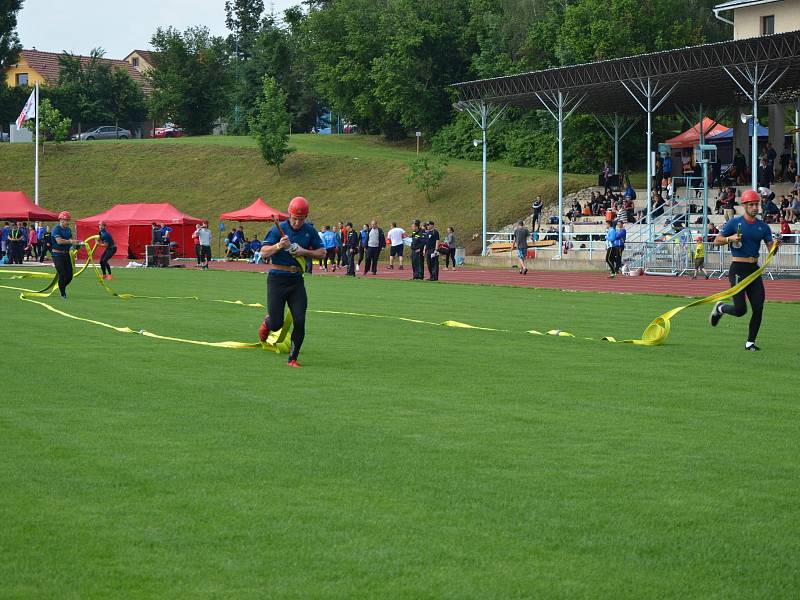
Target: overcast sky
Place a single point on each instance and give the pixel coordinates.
(118, 27)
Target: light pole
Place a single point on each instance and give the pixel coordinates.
(481, 112)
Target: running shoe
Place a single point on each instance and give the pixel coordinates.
(263, 331)
(752, 348)
(293, 363)
(716, 314)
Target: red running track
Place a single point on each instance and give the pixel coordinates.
(786, 290)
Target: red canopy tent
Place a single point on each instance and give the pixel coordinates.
(257, 211)
(691, 137)
(17, 206)
(131, 227)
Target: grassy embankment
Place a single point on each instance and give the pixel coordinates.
(346, 178)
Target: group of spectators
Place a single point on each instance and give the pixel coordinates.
(609, 205)
(19, 243)
(351, 248)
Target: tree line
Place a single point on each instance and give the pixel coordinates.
(387, 67)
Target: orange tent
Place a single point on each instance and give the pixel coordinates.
(691, 137)
(257, 211)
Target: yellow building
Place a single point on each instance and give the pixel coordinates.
(34, 66)
(141, 60)
(752, 18)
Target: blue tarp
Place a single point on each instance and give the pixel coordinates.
(728, 135)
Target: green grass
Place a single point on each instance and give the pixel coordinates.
(354, 178)
(403, 460)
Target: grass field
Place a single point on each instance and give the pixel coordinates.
(404, 460)
(353, 177)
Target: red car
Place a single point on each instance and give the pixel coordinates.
(168, 131)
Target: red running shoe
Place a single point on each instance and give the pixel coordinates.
(263, 331)
(293, 363)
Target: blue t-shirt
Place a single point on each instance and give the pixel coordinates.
(619, 237)
(752, 234)
(61, 232)
(305, 237)
(329, 239)
(106, 238)
(611, 235)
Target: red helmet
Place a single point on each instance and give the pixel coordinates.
(749, 196)
(64, 214)
(102, 223)
(298, 207)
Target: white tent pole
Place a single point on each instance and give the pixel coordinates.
(36, 150)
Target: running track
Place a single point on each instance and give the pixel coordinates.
(787, 290)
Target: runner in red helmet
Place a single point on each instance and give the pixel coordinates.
(288, 244)
(62, 244)
(744, 234)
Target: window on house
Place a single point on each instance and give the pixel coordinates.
(768, 25)
(135, 63)
(22, 79)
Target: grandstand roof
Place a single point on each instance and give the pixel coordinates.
(697, 71)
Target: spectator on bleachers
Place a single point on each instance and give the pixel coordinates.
(795, 207)
(627, 209)
(658, 203)
(791, 171)
(786, 209)
(712, 233)
(729, 205)
(575, 210)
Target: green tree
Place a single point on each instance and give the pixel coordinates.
(52, 125)
(9, 41)
(426, 175)
(270, 124)
(190, 78)
(243, 19)
(126, 101)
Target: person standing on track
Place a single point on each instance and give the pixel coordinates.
(110, 249)
(611, 236)
(520, 243)
(287, 242)
(62, 244)
(417, 250)
(204, 239)
(353, 240)
(744, 234)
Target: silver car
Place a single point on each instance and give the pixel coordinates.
(106, 132)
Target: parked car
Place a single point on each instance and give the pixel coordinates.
(167, 131)
(106, 132)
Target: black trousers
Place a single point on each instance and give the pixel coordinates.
(536, 218)
(198, 254)
(433, 266)
(360, 254)
(16, 248)
(372, 259)
(288, 290)
(63, 265)
(754, 292)
(416, 264)
(450, 255)
(43, 252)
(611, 260)
(351, 263)
(618, 250)
(107, 254)
(330, 255)
(205, 254)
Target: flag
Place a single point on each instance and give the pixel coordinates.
(28, 111)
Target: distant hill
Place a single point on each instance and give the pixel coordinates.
(345, 178)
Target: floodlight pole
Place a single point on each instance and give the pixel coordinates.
(797, 130)
(616, 123)
(556, 103)
(484, 114)
(755, 76)
(649, 91)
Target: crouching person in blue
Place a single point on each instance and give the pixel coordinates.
(287, 244)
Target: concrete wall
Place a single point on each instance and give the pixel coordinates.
(747, 20)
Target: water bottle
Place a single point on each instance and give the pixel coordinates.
(739, 234)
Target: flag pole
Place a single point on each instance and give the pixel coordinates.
(36, 163)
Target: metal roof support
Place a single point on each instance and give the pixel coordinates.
(556, 103)
(797, 130)
(485, 115)
(755, 75)
(616, 122)
(649, 91)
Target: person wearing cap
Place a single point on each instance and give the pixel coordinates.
(744, 234)
(288, 243)
(62, 244)
(699, 258)
(417, 246)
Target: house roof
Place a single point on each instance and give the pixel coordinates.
(47, 65)
(732, 4)
(147, 55)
